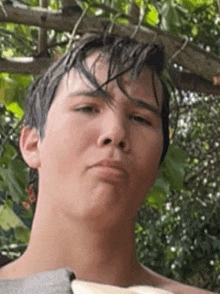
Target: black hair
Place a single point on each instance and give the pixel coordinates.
(123, 55)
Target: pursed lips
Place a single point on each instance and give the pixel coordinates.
(112, 164)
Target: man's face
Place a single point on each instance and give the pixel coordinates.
(82, 130)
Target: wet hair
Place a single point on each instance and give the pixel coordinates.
(123, 55)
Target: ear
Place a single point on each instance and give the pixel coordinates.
(29, 146)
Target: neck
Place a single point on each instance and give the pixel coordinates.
(104, 254)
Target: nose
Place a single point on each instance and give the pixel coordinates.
(114, 132)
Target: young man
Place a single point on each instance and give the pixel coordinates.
(96, 129)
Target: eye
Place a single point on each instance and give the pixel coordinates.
(140, 120)
(87, 109)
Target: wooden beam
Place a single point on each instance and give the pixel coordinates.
(36, 66)
(42, 38)
(178, 50)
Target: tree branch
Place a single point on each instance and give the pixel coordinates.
(69, 7)
(35, 66)
(42, 38)
(197, 61)
(112, 10)
(25, 65)
(189, 82)
(134, 12)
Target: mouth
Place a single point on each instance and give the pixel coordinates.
(111, 168)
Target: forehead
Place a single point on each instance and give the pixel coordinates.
(146, 85)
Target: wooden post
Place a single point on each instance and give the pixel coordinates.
(42, 38)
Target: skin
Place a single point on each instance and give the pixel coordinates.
(85, 215)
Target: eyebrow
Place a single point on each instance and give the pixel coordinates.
(137, 102)
(145, 105)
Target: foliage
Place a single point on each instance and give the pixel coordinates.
(177, 231)
(182, 240)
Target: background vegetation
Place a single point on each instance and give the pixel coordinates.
(178, 226)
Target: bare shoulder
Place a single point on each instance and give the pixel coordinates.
(170, 285)
(4, 273)
(10, 271)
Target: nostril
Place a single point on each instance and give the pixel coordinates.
(122, 144)
(107, 141)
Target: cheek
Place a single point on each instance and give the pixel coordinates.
(147, 156)
(86, 138)
(149, 147)
(68, 143)
(58, 145)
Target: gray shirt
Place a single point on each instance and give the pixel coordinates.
(47, 282)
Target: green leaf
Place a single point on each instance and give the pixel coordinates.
(155, 198)
(13, 87)
(138, 228)
(7, 155)
(173, 167)
(162, 185)
(190, 4)
(15, 177)
(170, 18)
(16, 109)
(4, 88)
(22, 234)
(152, 16)
(3, 186)
(8, 203)
(8, 219)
